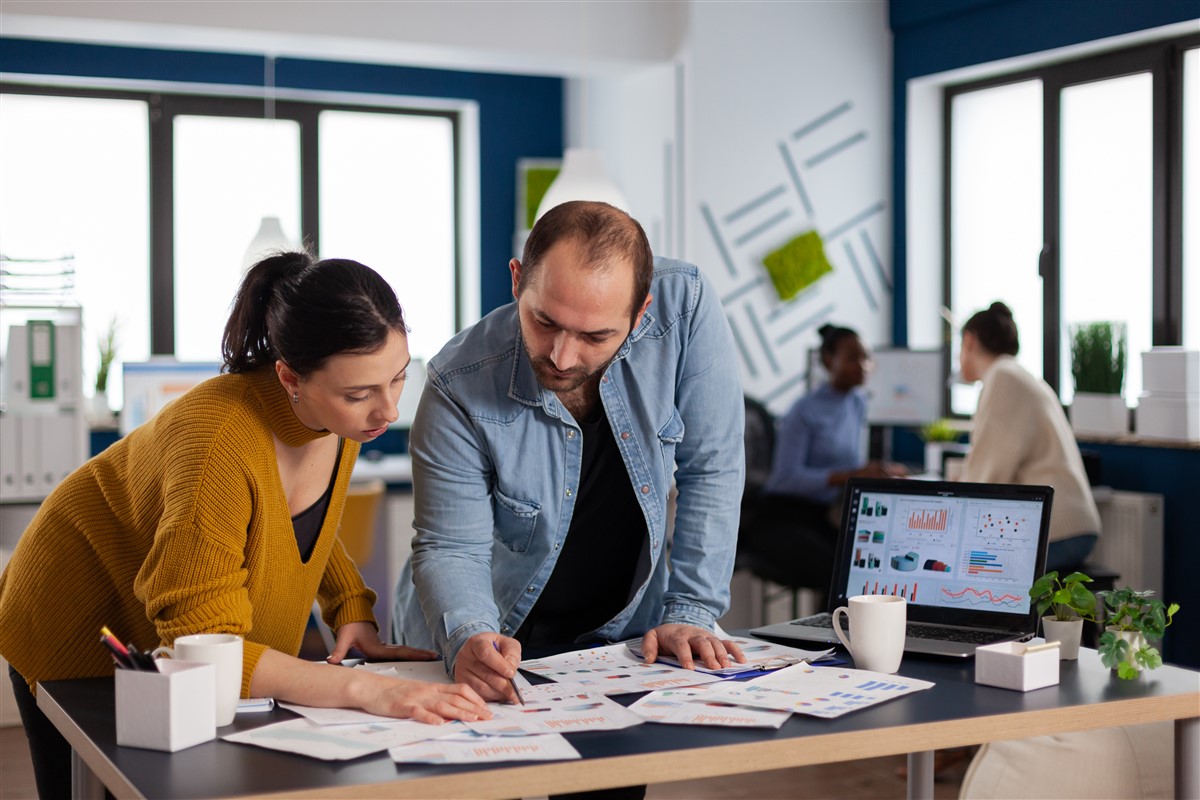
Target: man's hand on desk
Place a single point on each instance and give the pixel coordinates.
(365, 637)
(487, 662)
(688, 643)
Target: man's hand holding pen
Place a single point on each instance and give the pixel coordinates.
(488, 664)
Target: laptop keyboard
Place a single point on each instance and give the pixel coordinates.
(914, 630)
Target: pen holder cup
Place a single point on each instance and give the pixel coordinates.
(167, 710)
(1008, 666)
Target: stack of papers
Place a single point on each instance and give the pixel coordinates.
(576, 701)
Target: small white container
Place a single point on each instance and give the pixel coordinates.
(1009, 666)
(1171, 370)
(1166, 416)
(169, 710)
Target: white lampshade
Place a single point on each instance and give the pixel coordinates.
(270, 237)
(582, 177)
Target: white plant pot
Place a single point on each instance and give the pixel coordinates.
(100, 414)
(1136, 642)
(1067, 633)
(1100, 414)
(934, 451)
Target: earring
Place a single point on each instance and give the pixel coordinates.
(295, 397)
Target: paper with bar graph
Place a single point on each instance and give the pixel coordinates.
(825, 692)
(477, 749)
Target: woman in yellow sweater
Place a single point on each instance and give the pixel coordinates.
(221, 514)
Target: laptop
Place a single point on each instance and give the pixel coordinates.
(963, 554)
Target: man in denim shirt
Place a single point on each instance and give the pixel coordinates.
(543, 454)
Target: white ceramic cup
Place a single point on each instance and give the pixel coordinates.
(877, 624)
(224, 652)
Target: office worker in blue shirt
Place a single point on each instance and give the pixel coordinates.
(544, 449)
(818, 447)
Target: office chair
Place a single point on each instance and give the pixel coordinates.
(760, 451)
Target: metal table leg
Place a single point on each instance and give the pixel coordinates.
(1187, 763)
(920, 775)
(84, 783)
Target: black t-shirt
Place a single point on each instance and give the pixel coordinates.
(593, 577)
(307, 524)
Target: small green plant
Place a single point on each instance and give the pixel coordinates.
(1139, 612)
(1069, 598)
(940, 430)
(1098, 357)
(108, 345)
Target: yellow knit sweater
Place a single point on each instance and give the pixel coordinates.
(180, 527)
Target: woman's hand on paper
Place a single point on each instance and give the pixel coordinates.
(432, 703)
(689, 643)
(365, 637)
(487, 662)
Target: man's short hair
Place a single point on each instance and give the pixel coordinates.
(607, 234)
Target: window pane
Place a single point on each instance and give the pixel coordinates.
(1191, 199)
(230, 172)
(996, 215)
(1107, 215)
(74, 181)
(387, 200)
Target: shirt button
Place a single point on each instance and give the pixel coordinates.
(529, 590)
(624, 434)
(505, 629)
(570, 434)
(568, 492)
(604, 379)
(645, 490)
(556, 545)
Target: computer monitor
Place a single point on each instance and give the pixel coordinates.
(905, 387)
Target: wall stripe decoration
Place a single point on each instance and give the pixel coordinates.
(786, 225)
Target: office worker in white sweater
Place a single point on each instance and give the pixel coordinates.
(1021, 435)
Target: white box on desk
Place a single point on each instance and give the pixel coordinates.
(1008, 666)
(171, 709)
(1171, 370)
(1169, 416)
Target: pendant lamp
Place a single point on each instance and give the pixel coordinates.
(270, 237)
(582, 177)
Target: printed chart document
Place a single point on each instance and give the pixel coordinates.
(477, 749)
(584, 711)
(337, 742)
(428, 671)
(613, 670)
(696, 706)
(759, 655)
(818, 691)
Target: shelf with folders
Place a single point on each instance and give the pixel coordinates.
(43, 433)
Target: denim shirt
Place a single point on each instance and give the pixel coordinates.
(496, 461)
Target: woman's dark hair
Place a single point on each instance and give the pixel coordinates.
(299, 310)
(831, 337)
(995, 329)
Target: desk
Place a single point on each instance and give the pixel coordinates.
(955, 712)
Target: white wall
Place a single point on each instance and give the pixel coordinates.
(758, 75)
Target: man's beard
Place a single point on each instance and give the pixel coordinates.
(554, 380)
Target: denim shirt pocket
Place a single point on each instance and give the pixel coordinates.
(515, 521)
(669, 436)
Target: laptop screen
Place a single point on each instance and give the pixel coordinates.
(960, 553)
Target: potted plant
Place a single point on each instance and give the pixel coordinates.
(940, 436)
(1098, 367)
(1071, 602)
(1133, 620)
(108, 345)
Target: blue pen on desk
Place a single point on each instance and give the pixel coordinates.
(513, 680)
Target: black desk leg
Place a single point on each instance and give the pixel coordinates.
(1187, 768)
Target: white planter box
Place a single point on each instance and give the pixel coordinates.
(1175, 417)
(1099, 414)
(1171, 370)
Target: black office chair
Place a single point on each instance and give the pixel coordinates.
(760, 450)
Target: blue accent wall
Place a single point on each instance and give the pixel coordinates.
(519, 116)
(931, 36)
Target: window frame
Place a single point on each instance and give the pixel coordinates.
(164, 107)
(1164, 61)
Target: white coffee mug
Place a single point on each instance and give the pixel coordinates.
(877, 624)
(223, 651)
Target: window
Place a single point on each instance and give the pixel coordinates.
(158, 197)
(74, 182)
(1062, 200)
(1190, 211)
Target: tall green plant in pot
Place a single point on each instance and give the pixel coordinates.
(1098, 356)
